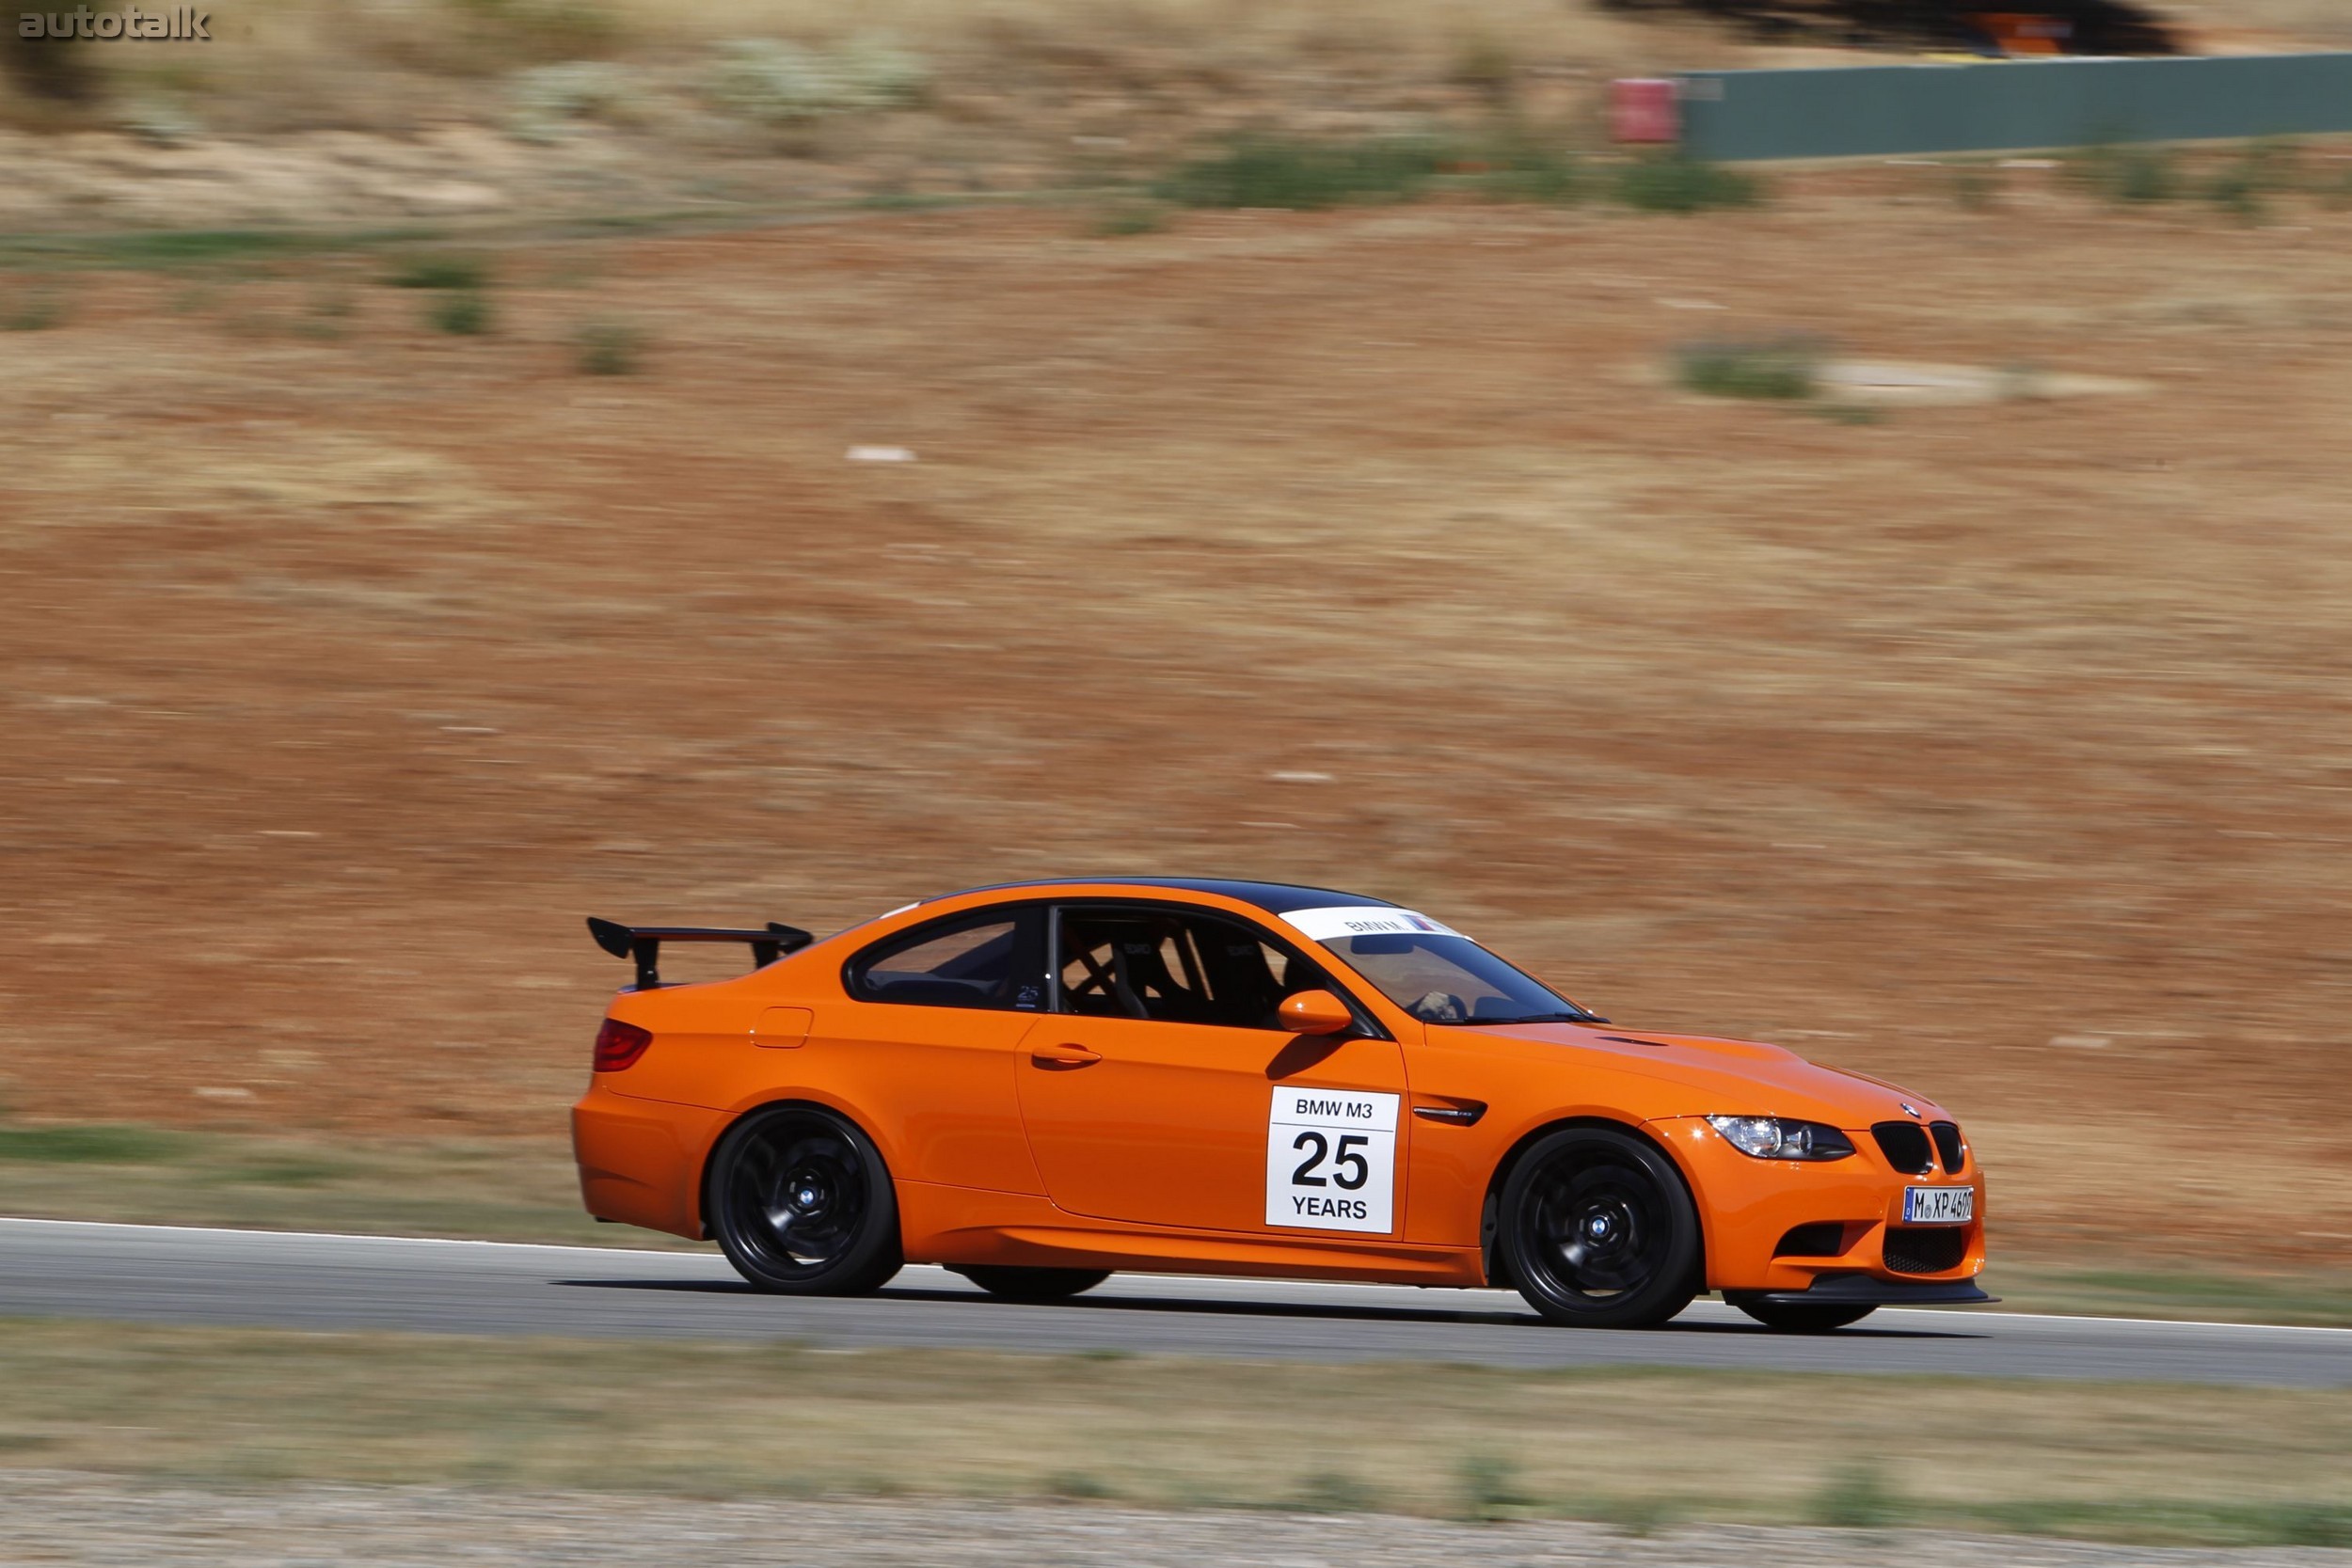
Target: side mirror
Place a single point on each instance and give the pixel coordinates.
(1316, 1012)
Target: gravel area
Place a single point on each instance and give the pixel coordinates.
(56, 1519)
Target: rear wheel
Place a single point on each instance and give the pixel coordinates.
(1598, 1231)
(801, 1205)
(1799, 1317)
(1017, 1283)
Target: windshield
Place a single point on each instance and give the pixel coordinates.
(1436, 974)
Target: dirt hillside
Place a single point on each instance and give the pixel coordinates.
(2002, 748)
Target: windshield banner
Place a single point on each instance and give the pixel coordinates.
(1364, 920)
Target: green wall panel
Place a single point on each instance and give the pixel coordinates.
(1741, 115)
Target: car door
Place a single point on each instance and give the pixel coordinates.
(1161, 1090)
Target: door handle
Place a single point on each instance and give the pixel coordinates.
(1060, 1057)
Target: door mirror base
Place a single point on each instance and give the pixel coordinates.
(1316, 1012)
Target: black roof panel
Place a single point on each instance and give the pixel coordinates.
(1272, 897)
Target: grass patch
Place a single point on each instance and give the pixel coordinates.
(2317, 1299)
(1679, 184)
(91, 1144)
(195, 246)
(2230, 1465)
(1516, 164)
(1306, 176)
(515, 1189)
(1785, 369)
(1508, 162)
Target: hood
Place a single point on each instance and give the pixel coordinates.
(1723, 1077)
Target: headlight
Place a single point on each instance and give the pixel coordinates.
(1772, 1138)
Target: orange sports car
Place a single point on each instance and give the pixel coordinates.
(1037, 1083)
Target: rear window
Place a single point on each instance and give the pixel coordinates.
(975, 961)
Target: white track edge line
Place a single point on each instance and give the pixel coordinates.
(1125, 1273)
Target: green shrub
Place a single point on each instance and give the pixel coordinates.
(441, 272)
(1335, 1492)
(1490, 1487)
(610, 348)
(462, 313)
(2266, 168)
(549, 100)
(1976, 186)
(1787, 368)
(34, 311)
(1130, 219)
(1485, 65)
(1305, 176)
(778, 83)
(1857, 1498)
(2236, 191)
(2129, 176)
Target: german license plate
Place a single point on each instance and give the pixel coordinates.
(1939, 1205)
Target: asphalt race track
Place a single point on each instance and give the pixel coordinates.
(149, 1274)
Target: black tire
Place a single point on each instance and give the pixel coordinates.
(1598, 1231)
(1800, 1318)
(802, 1204)
(1017, 1283)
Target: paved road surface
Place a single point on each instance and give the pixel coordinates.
(154, 1273)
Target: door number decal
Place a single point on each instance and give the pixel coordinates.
(1330, 1161)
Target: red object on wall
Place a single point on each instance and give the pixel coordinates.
(1644, 109)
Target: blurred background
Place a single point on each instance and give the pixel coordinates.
(474, 464)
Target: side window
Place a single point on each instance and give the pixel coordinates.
(984, 959)
(1142, 961)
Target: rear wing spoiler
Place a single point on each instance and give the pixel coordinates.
(642, 943)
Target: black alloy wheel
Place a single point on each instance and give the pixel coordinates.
(1598, 1231)
(1019, 1284)
(1799, 1317)
(801, 1205)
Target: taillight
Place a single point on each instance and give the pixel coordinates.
(619, 1045)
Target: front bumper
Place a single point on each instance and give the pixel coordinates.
(1748, 1207)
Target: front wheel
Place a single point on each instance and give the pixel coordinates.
(1598, 1231)
(1019, 1284)
(802, 1204)
(1799, 1317)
